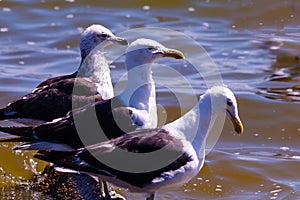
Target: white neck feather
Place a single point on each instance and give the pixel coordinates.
(195, 125)
(140, 91)
(89, 44)
(96, 67)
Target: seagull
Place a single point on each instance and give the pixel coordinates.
(134, 107)
(53, 98)
(173, 152)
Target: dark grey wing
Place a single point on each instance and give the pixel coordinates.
(82, 86)
(55, 79)
(52, 101)
(45, 105)
(90, 124)
(142, 141)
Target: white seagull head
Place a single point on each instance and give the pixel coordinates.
(143, 51)
(223, 100)
(94, 35)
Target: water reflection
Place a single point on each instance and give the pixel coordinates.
(283, 81)
(255, 46)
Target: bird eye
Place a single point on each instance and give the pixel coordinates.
(229, 102)
(103, 35)
(151, 48)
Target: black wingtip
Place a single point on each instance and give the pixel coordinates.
(2, 114)
(53, 156)
(15, 139)
(18, 131)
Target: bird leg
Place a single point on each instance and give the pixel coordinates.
(104, 190)
(150, 197)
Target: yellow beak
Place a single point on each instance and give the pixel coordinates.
(237, 123)
(120, 40)
(238, 126)
(173, 53)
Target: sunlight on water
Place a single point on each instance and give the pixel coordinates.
(255, 45)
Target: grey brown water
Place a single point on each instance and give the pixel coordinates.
(255, 45)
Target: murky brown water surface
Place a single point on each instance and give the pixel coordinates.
(255, 45)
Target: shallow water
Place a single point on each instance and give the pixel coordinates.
(255, 45)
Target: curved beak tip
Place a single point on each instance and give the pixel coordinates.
(174, 54)
(121, 41)
(238, 126)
